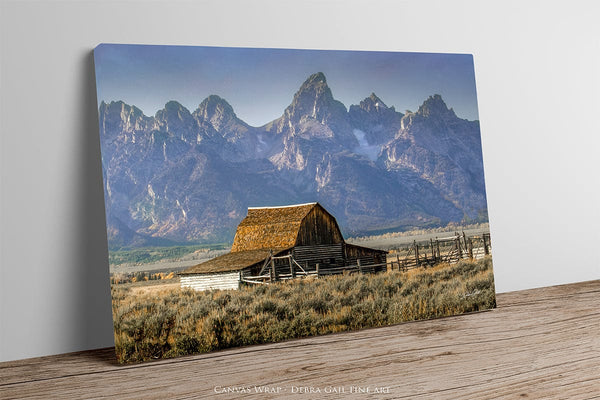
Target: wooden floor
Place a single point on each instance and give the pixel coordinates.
(538, 344)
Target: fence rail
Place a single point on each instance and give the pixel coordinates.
(273, 275)
(422, 254)
(448, 249)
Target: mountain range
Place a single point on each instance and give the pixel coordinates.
(182, 176)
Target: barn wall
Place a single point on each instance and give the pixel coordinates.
(328, 256)
(318, 228)
(365, 255)
(223, 280)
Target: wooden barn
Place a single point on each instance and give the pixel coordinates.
(274, 243)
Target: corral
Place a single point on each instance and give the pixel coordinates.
(276, 243)
(450, 249)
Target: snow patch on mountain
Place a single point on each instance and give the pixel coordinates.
(364, 148)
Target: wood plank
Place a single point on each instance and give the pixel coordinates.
(219, 280)
(539, 343)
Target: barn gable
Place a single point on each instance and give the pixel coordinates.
(285, 227)
(319, 228)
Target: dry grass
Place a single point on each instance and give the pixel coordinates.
(142, 276)
(175, 322)
(451, 227)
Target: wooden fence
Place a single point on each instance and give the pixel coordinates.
(423, 254)
(271, 272)
(448, 249)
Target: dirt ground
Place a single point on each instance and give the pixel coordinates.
(148, 287)
(386, 243)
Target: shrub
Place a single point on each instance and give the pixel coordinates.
(177, 322)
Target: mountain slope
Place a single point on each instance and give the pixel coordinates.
(182, 177)
(444, 150)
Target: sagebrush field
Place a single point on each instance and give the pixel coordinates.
(174, 322)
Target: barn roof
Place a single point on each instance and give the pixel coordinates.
(229, 262)
(370, 249)
(270, 227)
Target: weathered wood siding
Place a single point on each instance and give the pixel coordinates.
(318, 228)
(223, 280)
(328, 256)
(364, 254)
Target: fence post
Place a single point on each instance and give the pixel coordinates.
(398, 262)
(292, 269)
(432, 250)
(274, 276)
(439, 256)
(317, 270)
(471, 248)
(485, 246)
(416, 252)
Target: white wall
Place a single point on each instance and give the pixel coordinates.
(538, 77)
(223, 280)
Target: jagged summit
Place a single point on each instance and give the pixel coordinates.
(434, 105)
(375, 119)
(313, 112)
(118, 117)
(216, 111)
(175, 105)
(173, 111)
(212, 105)
(177, 120)
(312, 93)
(318, 77)
(375, 98)
(120, 106)
(373, 103)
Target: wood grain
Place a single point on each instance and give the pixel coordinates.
(538, 344)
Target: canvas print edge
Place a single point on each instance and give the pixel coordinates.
(267, 244)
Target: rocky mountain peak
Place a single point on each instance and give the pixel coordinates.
(175, 106)
(119, 116)
(316, 78)
(120, 108)
(177, 120)
(314, 113)
(435, 105)
(375, 119)
(173, 111)
(217, 111)
(313, 99)
(373, 104)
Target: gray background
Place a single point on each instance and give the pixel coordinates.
(537, 69)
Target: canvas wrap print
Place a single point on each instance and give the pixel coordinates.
(262, 195)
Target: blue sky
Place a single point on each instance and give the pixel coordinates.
(260, 83)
